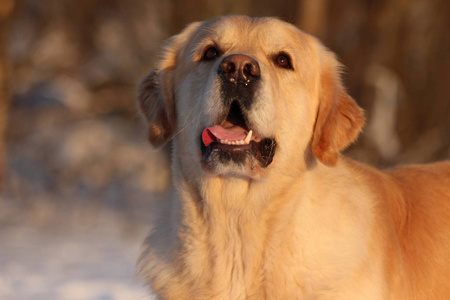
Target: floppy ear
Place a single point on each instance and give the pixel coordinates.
(157, 108)
(155, 97)
(339, 119)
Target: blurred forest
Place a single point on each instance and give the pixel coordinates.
(74, 160)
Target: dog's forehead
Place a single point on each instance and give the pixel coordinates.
(261, 38)
(244, 32)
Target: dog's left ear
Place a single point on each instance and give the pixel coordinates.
(339, 120)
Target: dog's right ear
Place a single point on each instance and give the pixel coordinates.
(156, 108)
(155, 97)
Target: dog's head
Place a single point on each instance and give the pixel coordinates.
(240, 96)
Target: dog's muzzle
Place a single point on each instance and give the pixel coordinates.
(240, 75)
(231, 140)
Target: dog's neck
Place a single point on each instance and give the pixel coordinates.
(229, 203)
(227, 223)
(240, 197)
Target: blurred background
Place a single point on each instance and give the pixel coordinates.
(78, 178)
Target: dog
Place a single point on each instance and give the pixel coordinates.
(265, 205)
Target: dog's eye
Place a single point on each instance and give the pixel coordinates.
(283, 60)
(210, 53)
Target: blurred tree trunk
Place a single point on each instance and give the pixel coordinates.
(6, 8)
(312, 17)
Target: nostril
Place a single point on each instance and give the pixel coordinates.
(251, 69)
(231, 68)
(228, 67)
(247, 69)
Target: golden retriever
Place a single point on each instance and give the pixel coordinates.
(265, 206)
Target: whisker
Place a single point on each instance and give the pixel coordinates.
(194, 119)
(216, 105)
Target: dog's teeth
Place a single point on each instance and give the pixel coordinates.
(241, 142)
(248, 137)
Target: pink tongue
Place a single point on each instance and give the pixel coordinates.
(211, 134)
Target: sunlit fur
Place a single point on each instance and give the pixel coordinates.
(313, 224)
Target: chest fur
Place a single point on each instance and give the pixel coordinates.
(290, 250)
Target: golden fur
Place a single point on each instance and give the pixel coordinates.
(312, 224)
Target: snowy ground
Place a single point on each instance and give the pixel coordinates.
(76, 206)
(69, 264)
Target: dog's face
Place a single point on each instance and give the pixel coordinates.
(242, 96)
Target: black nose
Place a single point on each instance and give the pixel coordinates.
(239, 69)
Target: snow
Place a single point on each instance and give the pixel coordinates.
(69, 263)
(76, 207)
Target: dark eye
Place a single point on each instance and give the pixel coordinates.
(283, 60)
(210, 53)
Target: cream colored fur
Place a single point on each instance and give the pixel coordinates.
(313, 224)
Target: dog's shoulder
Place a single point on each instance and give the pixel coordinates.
(425, 233)
(423, 181)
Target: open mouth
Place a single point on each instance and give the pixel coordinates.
(233, 131)
(234, 140)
